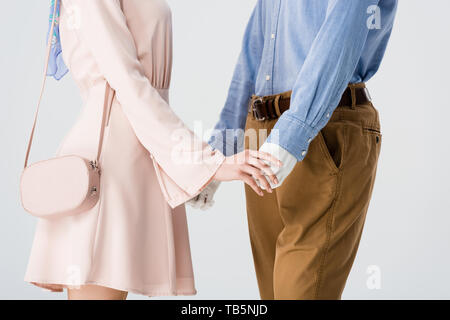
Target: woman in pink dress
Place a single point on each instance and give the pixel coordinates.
(136, 238)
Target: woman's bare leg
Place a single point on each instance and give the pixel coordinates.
(93, 292)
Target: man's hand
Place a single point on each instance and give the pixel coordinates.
(287, 159)
(204, 200)
(248, 166)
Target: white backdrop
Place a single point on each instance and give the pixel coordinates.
(406, 236)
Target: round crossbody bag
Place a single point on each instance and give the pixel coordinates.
(66, 185)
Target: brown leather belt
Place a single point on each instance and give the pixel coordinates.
(272, 107)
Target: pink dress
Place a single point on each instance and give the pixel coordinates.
(136, 238)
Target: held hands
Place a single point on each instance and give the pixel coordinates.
(289, 161)
(252, 167)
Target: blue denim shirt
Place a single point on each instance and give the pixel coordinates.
(314, 48)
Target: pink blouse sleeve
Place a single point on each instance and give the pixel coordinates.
(187, 163)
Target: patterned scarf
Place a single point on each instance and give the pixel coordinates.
(56, 65)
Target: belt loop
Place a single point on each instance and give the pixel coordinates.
(277, 105)
(353, 95)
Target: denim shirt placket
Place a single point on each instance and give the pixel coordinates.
(269, 61)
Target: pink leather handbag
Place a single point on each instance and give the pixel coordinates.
(65, 185)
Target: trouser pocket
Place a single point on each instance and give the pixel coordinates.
(332, 140)
(350, 133)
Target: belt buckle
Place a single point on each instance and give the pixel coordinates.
(257, 101)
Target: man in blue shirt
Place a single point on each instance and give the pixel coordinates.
(299, 91)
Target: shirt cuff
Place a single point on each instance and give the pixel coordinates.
(292, 135)
(278, 152)
(288, 160)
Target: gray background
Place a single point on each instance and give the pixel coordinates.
(406, 233)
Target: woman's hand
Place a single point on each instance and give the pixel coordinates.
(248, 166)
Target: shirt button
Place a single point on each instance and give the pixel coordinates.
(328, 115)
(303, 153)
(273, 35)
(309, 141)
(267, 78)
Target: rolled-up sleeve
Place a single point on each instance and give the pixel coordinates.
(325, 74)
(186, 160)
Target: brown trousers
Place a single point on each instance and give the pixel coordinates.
(305, 235)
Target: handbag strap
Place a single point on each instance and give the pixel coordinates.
(107, 101)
